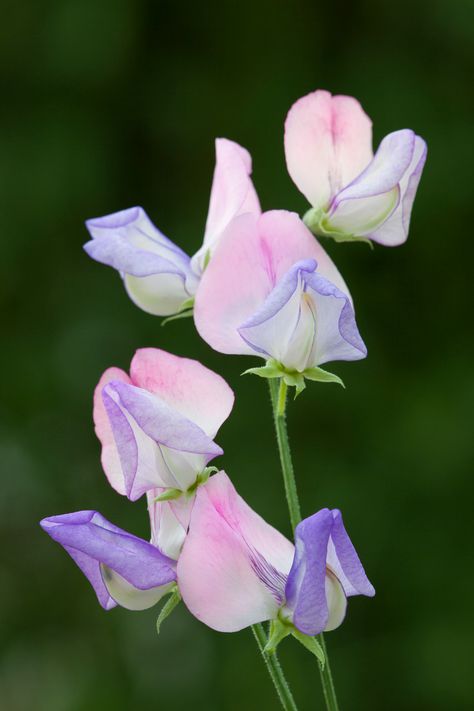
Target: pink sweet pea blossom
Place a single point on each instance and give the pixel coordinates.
(354, 194)
(271, 290)
(236, 570)
(157, 425)
(159, 277)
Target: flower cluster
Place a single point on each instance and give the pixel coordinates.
(260, 285)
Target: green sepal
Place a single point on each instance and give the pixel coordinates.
(293, 378)
(168, 495)
(176, 317)
(278, 631)
(322, 376)
(173, 600)
(172, 494)
(185, 311)
(316, 221)
(201, 479)
(311, 644)
(266, 371)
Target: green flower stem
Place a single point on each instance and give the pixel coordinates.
(278, 396)
(278, 393)
(275, 670)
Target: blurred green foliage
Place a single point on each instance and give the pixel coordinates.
(108, 104)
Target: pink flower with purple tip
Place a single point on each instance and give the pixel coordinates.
(236, 570)
(271, 290)
(157, 424)
(354, 194)
(159, 277)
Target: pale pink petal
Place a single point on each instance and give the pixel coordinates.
(328, 141)
(232, 194)
(110, 458)
(219, 574)
(193, 390)
(249, 261)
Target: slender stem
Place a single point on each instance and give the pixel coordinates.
(327, 680)
(275, 670)
(278, 395)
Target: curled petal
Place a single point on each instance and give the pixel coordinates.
(110, 457)
(97, 545)
(157, 274)
(306, 586)
(233, 566)
(232, 194)
(372, 197)
(328, 141)
(343, 559)
(325, 571)
(156, 445)
(394, 230)
(253, 255)
(305, 321)
(190, 388)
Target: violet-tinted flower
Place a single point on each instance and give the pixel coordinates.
(354, 194)
(236, 570)
(159, 277)
(123, 569)
(157, 424)
(271, 290)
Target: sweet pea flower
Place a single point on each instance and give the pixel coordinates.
(354, 194)
(123, 569)
(271, 290)
(159, 277)
(236, 570)
(157, 425)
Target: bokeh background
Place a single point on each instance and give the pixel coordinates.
(112, 103)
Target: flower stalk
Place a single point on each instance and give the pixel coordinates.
(278, 395)
(275, 670)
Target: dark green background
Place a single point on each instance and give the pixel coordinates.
(107, 104)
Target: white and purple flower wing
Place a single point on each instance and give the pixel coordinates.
(122, 568)
(157, 274)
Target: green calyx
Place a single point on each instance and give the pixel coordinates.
(173, 600)
(281, 628)
(317, 221)
(172, 494)
(186, 310)
(293, 378)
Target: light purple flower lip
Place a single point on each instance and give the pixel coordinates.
(91, 540)
(396, 152)
(155, 419)
(322, 540)
(113, 244)
(346, 326)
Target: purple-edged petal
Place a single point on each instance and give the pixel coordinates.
(157, 274)
(328, 141)
(345, 562)
(97, 546)
(233, 566)
(394, 230)
(306, 586)
(186, 385)
(157, 446)
(365, 204)
(253, 255)
(304, 322)
(232, 194)
(109, 457)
